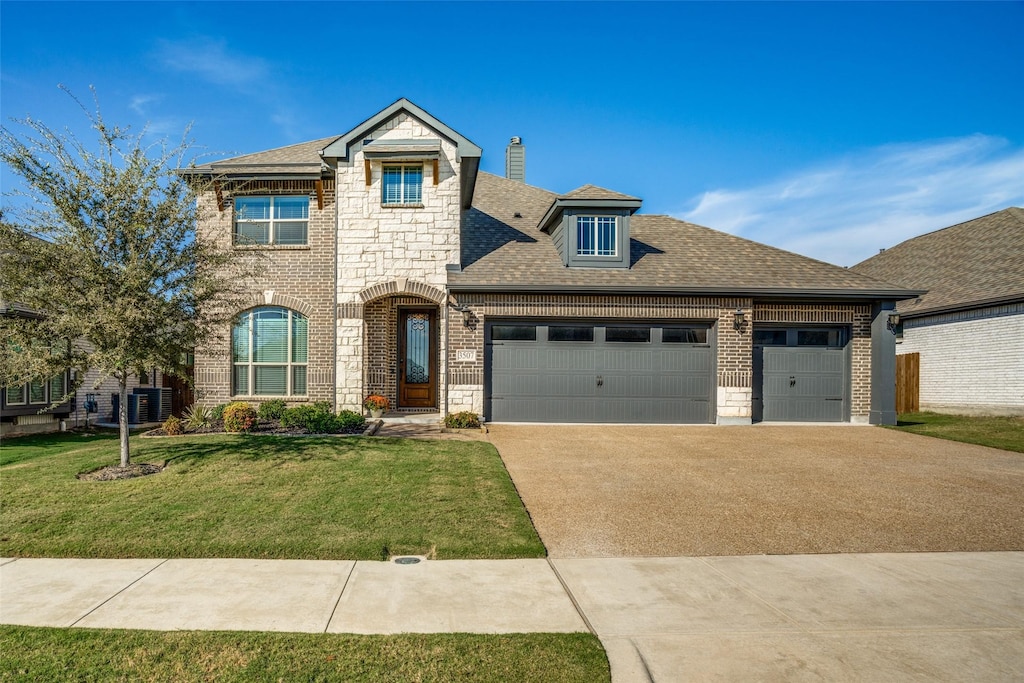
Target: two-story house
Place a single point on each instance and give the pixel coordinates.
(393, 265)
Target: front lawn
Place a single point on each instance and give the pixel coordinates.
(262, 497)
(44, 654)
(1006, 433)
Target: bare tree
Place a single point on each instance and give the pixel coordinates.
(100, 254)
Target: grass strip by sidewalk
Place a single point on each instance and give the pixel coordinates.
(50, 654)
(1006, 433)
(262, 497)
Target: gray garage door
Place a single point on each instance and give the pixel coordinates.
(800, 375)
(599, 372)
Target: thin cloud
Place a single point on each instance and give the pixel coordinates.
(209, 59)
(846, 210)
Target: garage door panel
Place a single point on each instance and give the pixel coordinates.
(803, 384)
(562, 381)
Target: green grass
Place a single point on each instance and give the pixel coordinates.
(44, 654)
(1006, 433)
(262, 497)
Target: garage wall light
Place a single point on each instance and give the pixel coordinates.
(894, 321)
(738, 318)
(467, 314)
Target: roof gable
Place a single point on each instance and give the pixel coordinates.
(340, 148)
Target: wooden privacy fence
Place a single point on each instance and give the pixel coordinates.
(908, 380)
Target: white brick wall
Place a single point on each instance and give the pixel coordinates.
(975, 363)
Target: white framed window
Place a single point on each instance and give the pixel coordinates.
(15, 396)
(597, 236)
(282, 221)
(402, 184)
(58, 387)
(37, 392)
(269, 353)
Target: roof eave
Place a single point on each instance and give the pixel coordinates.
(561, 204)
(755, 292)
(963, 306)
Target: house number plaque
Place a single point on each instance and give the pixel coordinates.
(466, 355)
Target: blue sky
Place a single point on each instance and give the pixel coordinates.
(829, 129)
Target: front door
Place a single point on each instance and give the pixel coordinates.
(417, 358)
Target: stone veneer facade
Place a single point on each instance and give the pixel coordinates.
(387, 252)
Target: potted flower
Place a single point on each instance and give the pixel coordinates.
(376, 404)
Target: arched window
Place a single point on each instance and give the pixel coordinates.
(268, 348)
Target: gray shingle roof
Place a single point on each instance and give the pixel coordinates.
(595, 192)
(974, 263)
(500, 250)
(301, 158)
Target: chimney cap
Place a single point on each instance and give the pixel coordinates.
(516, 140)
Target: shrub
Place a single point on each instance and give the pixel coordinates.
(349, 421)
(272, 410)
(217, 414)
(172, 426)
(239, 417)
(375, 402)
(462, 420)
(198, 416)
(312, 418)
(319, 419)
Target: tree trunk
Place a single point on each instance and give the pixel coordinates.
(122, 416)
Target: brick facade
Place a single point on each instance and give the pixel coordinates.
(734, 347)
(298, 278)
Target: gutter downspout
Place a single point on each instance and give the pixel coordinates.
(447, 352)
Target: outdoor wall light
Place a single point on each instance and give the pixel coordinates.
(894, 321)
(467, 314)
(737, 319)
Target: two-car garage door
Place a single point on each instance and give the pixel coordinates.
(600, 372)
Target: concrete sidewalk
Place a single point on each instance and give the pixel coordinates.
(934, 616)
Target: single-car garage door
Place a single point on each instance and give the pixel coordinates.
(800, 375)
(599, 372)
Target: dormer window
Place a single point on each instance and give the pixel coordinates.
(590, 227)
(597, 236)
(402, 185)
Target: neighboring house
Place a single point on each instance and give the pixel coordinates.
(969, 326)
(26, 408)
(395, 266)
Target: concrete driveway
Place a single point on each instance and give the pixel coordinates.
(650, 491)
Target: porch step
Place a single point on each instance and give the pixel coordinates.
(396, 417)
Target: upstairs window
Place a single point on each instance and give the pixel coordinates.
(402, 184)
(597, 236)
(282, 221)
(269, 347)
